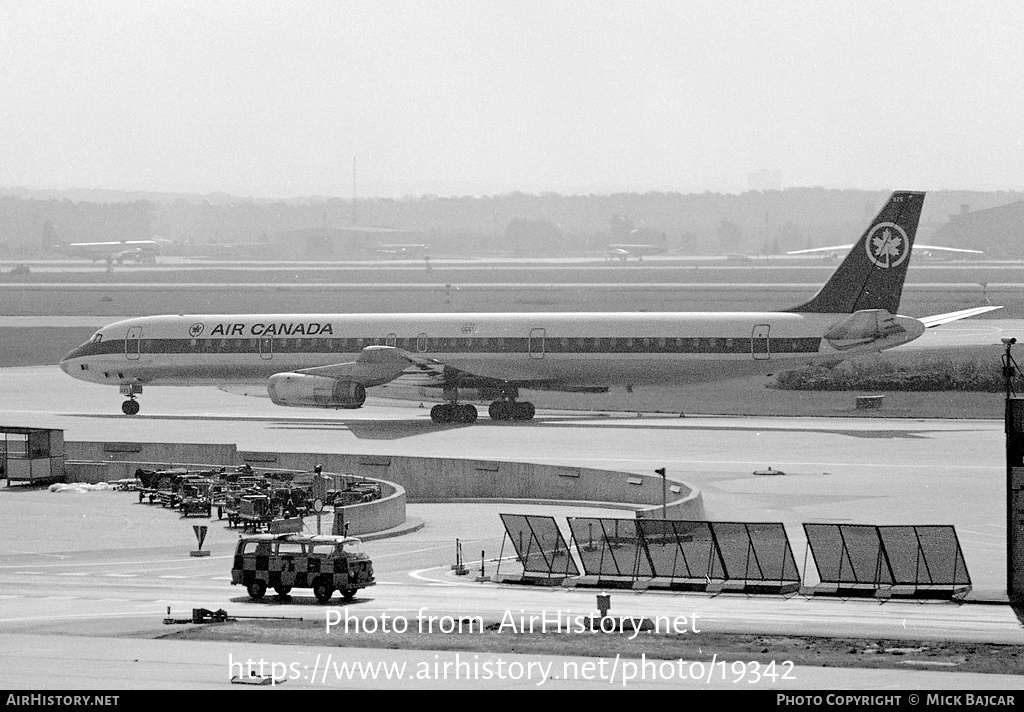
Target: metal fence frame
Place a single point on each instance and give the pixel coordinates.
(525, 552)
(850, 569)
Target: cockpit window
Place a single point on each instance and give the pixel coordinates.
(96, 338)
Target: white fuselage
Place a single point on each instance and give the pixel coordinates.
(548, 349)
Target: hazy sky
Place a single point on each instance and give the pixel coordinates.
(274, 99)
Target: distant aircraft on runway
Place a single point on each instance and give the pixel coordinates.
(329, 360)
(623, 252)
(136, 250)
(405, 250)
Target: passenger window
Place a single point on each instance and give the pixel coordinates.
(289, 548)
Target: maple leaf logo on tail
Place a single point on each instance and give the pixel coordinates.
(887, 245)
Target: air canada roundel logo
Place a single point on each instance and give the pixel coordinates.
(195, 330)
(887, 245)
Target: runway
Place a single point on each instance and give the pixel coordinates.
(98, 564)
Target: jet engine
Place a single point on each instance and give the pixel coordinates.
(303, 390)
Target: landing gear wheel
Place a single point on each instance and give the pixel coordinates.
(348, 593)
(452, 413)
(256, 590)
(523, 411)
(282, 591)
(130, 407)
(499, 410)
(322, 590)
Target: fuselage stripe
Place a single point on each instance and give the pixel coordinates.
(456, 345)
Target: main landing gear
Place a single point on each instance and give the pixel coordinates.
(453, 413)
(505, 408)
(511, 410)
(508, 408)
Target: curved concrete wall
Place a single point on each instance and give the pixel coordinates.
(366, 517)
(424, 479)
(428, 479)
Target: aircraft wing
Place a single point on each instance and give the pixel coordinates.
(930, 321)
(387, 365)
(377, 365)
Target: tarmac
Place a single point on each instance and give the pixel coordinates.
(98, 564)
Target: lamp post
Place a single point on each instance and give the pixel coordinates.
(664, 492)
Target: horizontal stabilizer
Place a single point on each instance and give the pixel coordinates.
(836, 249)
(930, 321)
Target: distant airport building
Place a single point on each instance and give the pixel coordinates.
(999, 231)
(320, 243)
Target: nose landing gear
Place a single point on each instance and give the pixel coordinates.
(130, 406)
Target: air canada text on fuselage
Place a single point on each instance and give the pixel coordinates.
(282, 329)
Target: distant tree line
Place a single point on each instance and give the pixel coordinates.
(754, 222)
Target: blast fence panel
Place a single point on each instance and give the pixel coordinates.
(610, 547)
(539, 545)
(887, 556)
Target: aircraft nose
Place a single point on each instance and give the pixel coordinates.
(65, 363)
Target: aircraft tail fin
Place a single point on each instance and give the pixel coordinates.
(871, 276)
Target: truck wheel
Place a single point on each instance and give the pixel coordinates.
(256, 590)
(348, 593)
(282, 590)
(322, 590)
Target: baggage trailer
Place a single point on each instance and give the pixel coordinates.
(31, 454)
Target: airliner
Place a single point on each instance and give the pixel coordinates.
(137, 250)
(623, 252)
(329, 360)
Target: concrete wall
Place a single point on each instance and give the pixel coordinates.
(385, 513)
(155, 455)
(441, 480)
(424, 479)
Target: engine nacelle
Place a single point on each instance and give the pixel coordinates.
(305, 391)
